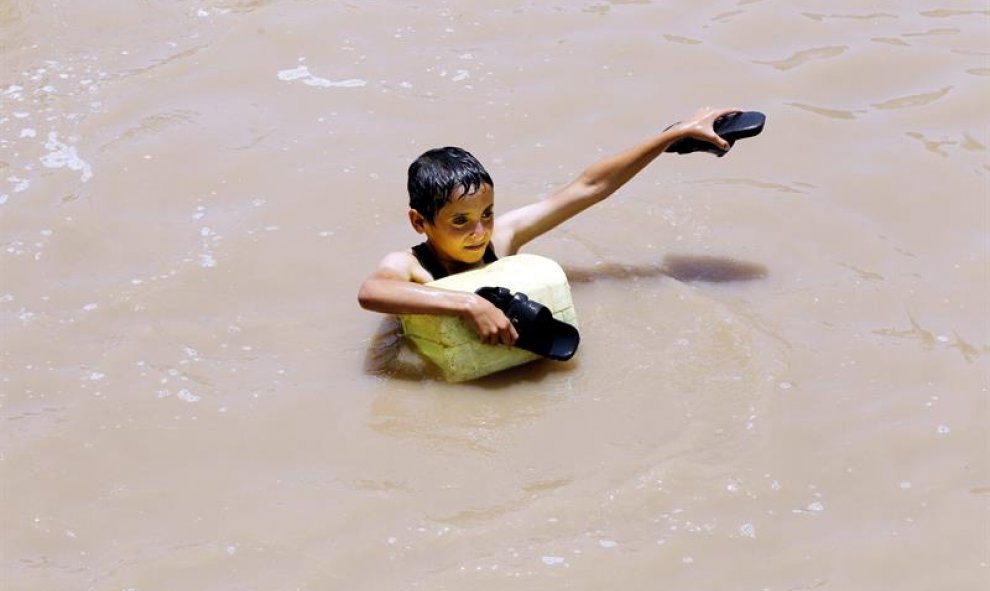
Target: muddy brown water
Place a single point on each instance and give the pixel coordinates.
(783, 377)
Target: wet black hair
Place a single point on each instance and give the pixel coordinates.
(434, 176)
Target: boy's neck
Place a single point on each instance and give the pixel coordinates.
(453, 266)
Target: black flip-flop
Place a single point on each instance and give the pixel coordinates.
(538, 330)
(731, 127)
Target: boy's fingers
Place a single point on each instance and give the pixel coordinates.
(510, 336)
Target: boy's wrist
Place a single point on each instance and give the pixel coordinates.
(468, 303)
(675, 131)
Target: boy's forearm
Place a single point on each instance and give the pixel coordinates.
(391, 296)
(605, 176)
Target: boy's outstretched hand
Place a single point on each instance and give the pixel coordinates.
(489, 322)
(701, 126)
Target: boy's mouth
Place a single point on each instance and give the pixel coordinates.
(477, 246)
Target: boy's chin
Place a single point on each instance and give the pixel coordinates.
(470, 255)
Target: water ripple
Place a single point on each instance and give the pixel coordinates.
(801, 57)
(829, 112)
(913, 100)
(872, 16)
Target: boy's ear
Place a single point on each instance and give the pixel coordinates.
(418, 221)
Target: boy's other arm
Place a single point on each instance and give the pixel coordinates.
(517, 227)
(396, 287)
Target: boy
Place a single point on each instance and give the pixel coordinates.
(451, 200)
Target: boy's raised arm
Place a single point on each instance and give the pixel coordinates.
(517, 227)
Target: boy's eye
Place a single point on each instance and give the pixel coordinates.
(459, 220)
(488, 214)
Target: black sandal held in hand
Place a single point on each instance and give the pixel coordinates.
(538, 330)
(731, 127)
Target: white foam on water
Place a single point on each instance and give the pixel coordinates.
(65, 156)
(20, 185)
(187, 396)
(303, 74)
(349, 83)
(294, 73)
(553, 560)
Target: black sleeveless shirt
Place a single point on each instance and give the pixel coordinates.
(426, 257)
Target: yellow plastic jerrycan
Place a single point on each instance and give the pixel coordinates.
(454, 347)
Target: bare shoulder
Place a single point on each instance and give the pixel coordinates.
(402, 265)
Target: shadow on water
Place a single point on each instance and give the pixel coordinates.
(682, 267)
(389, 356)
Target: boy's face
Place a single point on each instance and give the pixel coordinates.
(462, 228)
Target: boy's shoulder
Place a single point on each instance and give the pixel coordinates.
(403, 265)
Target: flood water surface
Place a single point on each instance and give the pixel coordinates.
(783, 376)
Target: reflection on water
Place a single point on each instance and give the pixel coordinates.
(387, 354)
(391, 356)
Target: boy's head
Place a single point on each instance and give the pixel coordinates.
(435, 176)
(452, 200)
